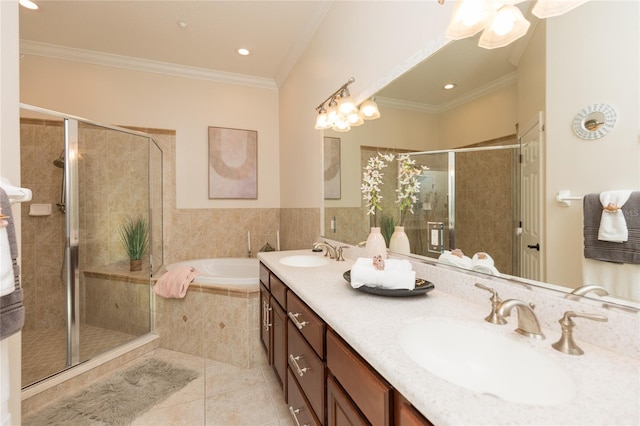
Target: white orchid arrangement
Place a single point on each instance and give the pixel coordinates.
(371, 182)
(408, 184)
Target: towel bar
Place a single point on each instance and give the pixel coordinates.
(564, 197)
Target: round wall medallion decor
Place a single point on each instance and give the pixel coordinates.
(594, 121)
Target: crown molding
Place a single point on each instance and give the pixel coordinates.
(493, 86)
(28, 47)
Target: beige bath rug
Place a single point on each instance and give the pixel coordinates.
(117, 400)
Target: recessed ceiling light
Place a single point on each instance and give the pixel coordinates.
(182, 24)
(243, 51)
(449, 86)
(28, 4)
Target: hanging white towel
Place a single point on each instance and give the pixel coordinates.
(613, 226)
(7, 279)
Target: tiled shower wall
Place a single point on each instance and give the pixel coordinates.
(42, 236)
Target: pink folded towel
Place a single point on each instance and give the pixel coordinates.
(175, 283)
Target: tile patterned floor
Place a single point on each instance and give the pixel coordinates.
(222, 395)
(44, 352)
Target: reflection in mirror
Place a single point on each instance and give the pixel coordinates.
(508, 87)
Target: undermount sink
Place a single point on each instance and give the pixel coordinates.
(305, 260)
(485, 362)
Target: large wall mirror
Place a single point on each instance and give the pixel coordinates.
(526, 94)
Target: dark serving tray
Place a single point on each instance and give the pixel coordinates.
(422, 287)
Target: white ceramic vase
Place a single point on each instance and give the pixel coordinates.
(399, 242)
(375, 244)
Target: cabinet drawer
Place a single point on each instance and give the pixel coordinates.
(278, 290)
(300, 412)
(309, 324)
(264, 276)
(307, 368)
(368, 390)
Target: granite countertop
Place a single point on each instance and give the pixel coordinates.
(608, 383)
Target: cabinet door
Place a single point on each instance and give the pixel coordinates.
(279, 348)
(341, 411)
(265, 323)
(407, 415)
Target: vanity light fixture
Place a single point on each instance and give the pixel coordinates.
(340, 113)
(500, 21)
(28, 4)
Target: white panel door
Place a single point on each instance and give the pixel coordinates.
(531, 259)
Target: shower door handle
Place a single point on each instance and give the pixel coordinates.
(535, 247)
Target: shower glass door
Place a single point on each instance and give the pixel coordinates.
(81, 298)
(112, 188)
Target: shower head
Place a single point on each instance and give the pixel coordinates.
(59, 162)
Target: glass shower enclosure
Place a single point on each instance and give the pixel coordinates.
(87, 180)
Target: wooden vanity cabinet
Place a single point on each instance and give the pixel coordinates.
(273, 332)
(324, 381)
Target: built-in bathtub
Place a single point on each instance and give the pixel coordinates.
(231, 272)
(218, 318)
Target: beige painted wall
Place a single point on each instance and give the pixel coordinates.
(594, 70)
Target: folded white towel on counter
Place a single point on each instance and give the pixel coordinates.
(447, 258)
(397, 274)
(613, 226)
(482, 262)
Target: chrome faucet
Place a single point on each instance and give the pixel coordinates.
(331, 250)
(586, 289)
(527, 322)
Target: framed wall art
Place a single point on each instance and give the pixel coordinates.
(233, 163)
(332, 168)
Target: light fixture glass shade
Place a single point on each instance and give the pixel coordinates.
(332, 113)
(28, 4)
(321, 121)
(369, 110)
(341, 125)
(471, 16)
(355, 119)
(550, 8)
(346, 105)
(508, 26)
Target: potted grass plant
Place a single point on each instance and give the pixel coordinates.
(134, 235)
